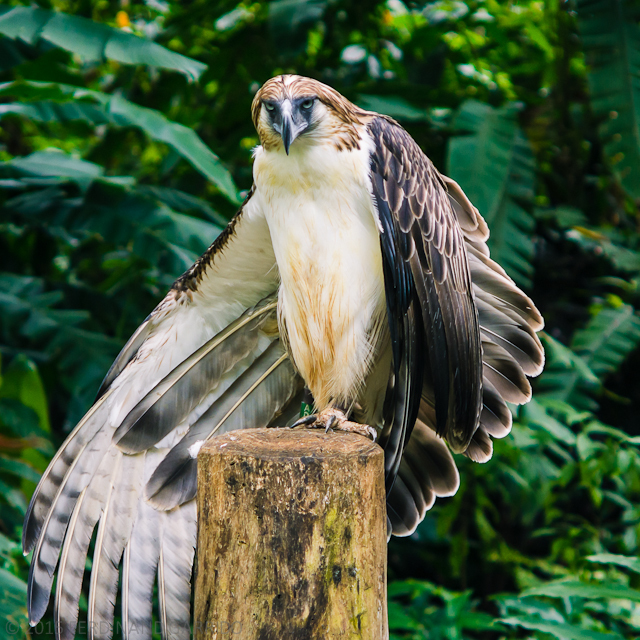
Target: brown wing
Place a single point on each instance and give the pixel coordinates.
(422, 237)
(478, 329)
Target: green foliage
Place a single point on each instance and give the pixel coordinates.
(611, 37)
(116, 173)
(610, 336)
(26, 449)
(424, 610)
(90, 41)
(494, 165)
(65, 103)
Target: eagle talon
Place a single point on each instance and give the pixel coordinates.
(304, 421)
(336, 420)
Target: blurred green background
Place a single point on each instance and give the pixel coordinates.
(125, 145)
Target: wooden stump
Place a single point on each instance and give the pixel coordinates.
(291, 537)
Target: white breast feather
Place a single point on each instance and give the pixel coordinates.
(323, 226)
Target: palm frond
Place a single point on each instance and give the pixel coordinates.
(494, 165)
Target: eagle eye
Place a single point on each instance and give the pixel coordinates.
(308, 103)
(269, 106)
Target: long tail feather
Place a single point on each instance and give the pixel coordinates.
(74, 553)
(140, 563)
(47, 548)
(174, 570)
(53, 477)
(113, 533)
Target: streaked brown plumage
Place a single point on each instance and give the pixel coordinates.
(389, 309)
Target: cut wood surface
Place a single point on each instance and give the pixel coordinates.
(291, 537)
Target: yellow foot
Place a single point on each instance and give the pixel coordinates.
(335, 419)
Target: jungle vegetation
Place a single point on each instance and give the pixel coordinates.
(125, 146)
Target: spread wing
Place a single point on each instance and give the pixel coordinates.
(463, 335)
(207, 360)
(427, 282)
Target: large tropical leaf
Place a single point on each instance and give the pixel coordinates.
(493, 163)
(393, 106)
(575, 375)
(30, 315)
(562, 631)
(57, 191)
(565, 372)
(29, 310)
(13, 610)
(46, 168)
(51, 102)
(611, 39)
(568, 589)
(14, 52)
(612, 558)
(21, 381)
(609, 337)
(91, 41)
(607, 242)
(115, 208)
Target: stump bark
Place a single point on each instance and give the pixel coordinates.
(291, 537)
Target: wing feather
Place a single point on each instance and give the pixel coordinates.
(179, 529)
(127, 354)
(414, 207)
(479, 327)
(255, 399)
(86, 514)
(495, 417)
(404, 331)
(48, 545)
(186, 386)
(427, 471)
(471, 222)
(402, 511)
(491, 283)
(48, 486)
(94, 480)
(114, 532)
(480, 448)
(505, 374)
(140, 563)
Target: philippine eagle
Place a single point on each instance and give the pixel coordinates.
(354, 272)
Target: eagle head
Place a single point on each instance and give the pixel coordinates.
(290, 107)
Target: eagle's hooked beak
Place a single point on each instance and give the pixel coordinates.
(292, 124)
(287, 131)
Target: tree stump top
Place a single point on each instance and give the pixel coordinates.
(288, 444)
